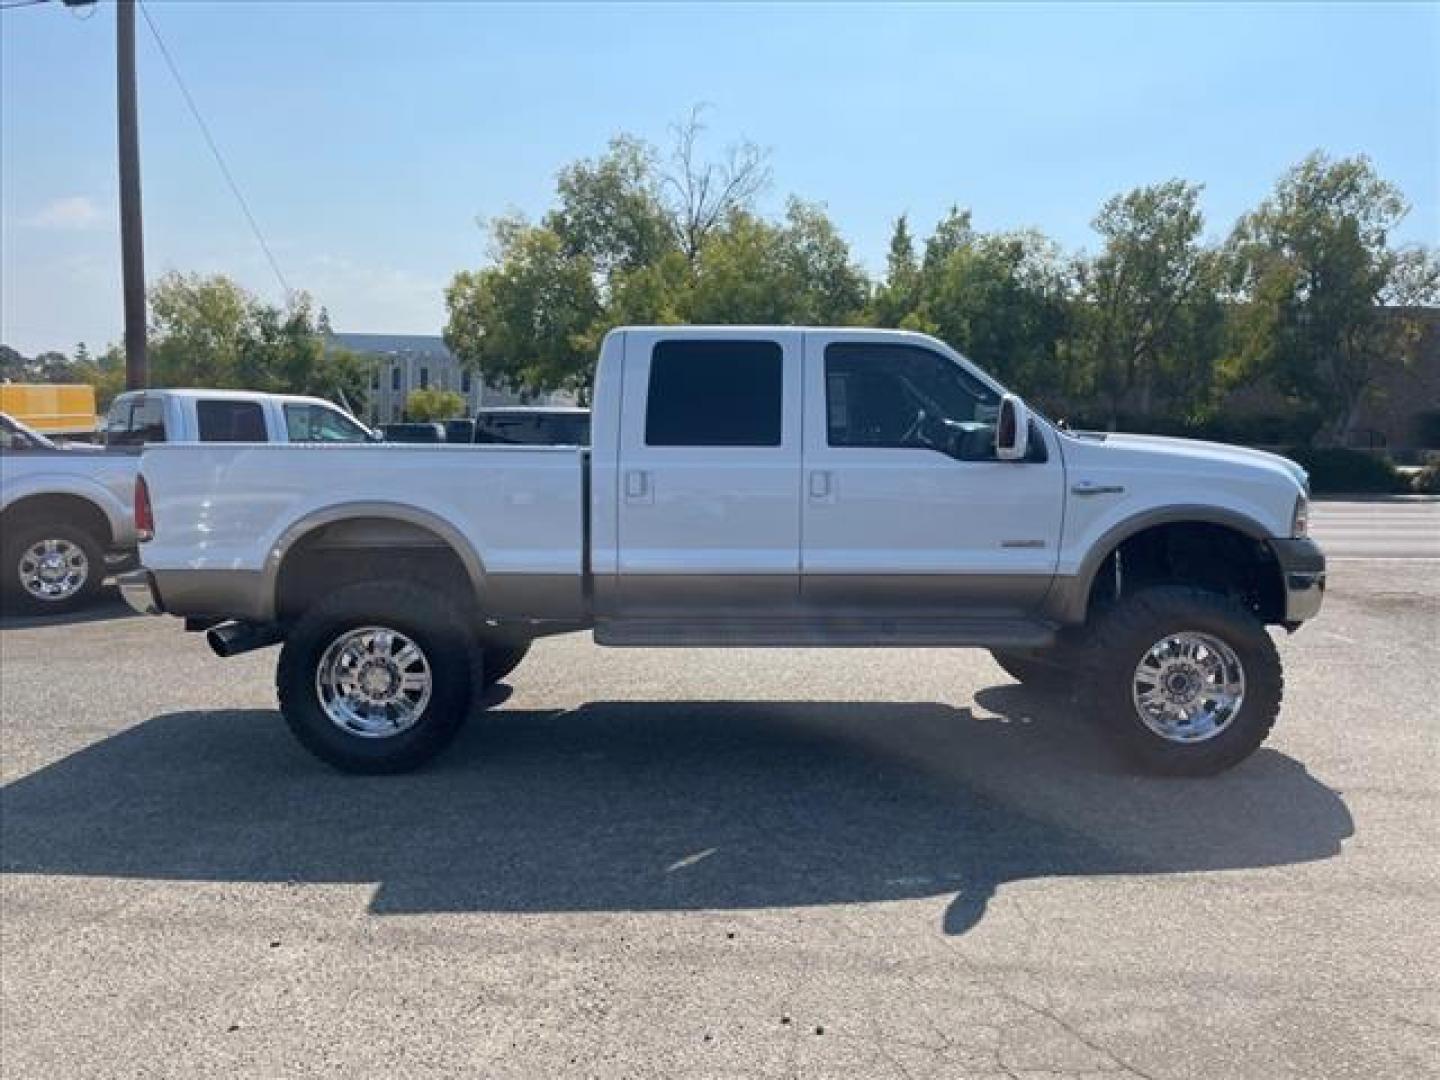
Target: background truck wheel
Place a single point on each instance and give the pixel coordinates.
(377, 677)
(1033, 672)
(1187, 680)
(52, 569)
(501, 660)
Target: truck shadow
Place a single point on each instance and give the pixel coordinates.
(665, 806)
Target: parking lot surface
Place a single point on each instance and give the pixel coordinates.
(719, 863)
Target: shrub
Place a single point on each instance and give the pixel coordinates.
(1336, 470)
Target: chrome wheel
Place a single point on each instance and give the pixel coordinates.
(374, 682)
(53, 569)
(1188, 687)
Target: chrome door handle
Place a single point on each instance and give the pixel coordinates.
(820, 484)
(1089, 487)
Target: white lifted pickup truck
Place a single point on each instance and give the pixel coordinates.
(747, 487)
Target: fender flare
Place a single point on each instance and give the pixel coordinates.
(1069, 597)
(303, 527)
(117, 516)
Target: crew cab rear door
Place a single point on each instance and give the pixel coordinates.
(708, 519)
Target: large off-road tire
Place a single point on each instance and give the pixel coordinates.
(1048, 674)
(1188, 681)
(377, 678)
(501, 660)
(51, 569)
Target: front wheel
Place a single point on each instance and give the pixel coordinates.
(1188, 681)
(377, 677)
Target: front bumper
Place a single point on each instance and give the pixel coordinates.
(137, 587)
(1302, 569)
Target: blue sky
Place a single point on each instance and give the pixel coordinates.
(368, 137)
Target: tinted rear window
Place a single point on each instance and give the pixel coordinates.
(714, 393)
(230, 421)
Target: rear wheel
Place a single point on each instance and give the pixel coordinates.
(1188, 681)
(52, 568)
(377, 677)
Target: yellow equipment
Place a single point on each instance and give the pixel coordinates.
(52, 408)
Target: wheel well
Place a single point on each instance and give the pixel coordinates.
(1216, 558)
(73, 510)
(357, 550)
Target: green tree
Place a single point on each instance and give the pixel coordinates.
(1004, 300)
(640, 238)
(611, 210)
(1314, 271)
(897, 296)
(1151, 317)
(529, 320)
(211, 332)
(433, 404)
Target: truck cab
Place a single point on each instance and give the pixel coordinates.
(138, 417)
(790, 480)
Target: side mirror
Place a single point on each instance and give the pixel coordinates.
(1012, 429)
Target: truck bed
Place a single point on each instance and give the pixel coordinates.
(236, 507)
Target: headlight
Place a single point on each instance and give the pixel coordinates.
(1300, 522)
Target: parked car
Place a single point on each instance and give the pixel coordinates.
(749, 487)
(525, 426)
(66, 512)
(413, 433)
(460, 430)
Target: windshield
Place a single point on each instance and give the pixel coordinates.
(17, 436)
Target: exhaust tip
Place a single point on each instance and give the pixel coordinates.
(233, 638)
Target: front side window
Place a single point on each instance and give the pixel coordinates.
(230, 421)
(135, 421)
(907, 396)
(320, 423)
(714, 393)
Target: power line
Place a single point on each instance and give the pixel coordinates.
(21, 3)
(214, 149)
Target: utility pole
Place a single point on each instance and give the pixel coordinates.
(132, 240)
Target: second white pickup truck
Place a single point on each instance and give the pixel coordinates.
(747, 487)
(65, 510)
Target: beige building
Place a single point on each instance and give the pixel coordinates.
(400, 363)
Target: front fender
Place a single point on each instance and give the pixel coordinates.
(1070, 593)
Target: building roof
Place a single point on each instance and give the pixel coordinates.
(384, 344)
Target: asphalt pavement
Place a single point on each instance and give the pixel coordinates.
(707, 863)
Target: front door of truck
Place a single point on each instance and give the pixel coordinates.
(708, 518)
(906, 508)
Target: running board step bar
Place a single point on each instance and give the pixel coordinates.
(829, 633)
